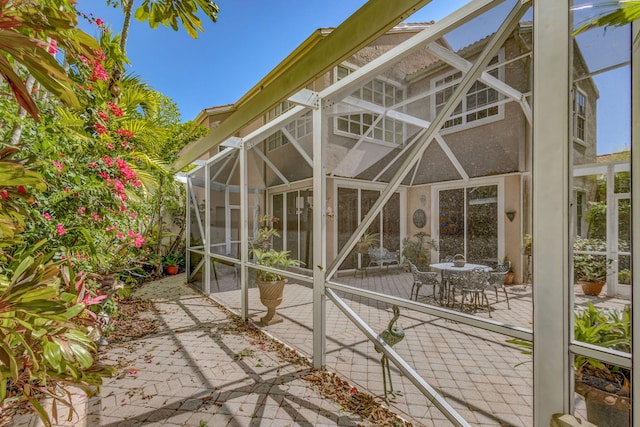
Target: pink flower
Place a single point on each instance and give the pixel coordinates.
(21, 189)
(58, 165)
(138, 242)
(96, 217)
(353, 391)
(99, 22)
(110, 146)
(82, 210)
(46, 216)
(83, 58)
(93, 165)
(53, 47)
(104, 116)
(119, 235)
(125, 132)
(99, 73)
(99, 128)
(61, 229)
(117, 111)
(111, 227)
(4, 194)
(118, 186)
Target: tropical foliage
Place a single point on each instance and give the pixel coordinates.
(612, 14)
(587, 265)
(85, 190)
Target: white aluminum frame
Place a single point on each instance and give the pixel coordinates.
(551, 151)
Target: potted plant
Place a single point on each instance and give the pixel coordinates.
(417, 249)
(271, 285)
(605, 387)
(172, 262)
(590, 270)
(366, 241)
(508, 278)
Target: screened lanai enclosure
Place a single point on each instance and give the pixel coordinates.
(412, 134)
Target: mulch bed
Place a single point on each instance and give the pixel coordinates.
(328, 384)
(134, 321)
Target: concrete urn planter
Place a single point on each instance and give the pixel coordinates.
(271, 297)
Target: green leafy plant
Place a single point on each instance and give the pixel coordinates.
(44, 345)
(417, 249)
(624, 277)
(265, 255)
(590, 267)
(604, 328)
(173, 258)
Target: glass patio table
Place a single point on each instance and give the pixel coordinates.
(453, 277)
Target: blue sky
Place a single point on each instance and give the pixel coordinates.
(252, 36)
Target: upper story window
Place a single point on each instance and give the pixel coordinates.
(579, 114)
(479, 105)
(297, 128)
(384, 93)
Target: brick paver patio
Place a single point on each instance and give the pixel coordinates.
(481, 375)
(198, 371)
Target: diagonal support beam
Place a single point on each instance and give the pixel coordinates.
(426, 389)
(297, 146)
(491, 48)
(463, 65)
(197, 211)
(406, 118)
(270, 164)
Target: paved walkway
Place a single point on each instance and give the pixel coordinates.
(199, 370)
(487, 380)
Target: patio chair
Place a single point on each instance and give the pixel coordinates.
(381, 257)
(475, 287)
(496, 279)
(451, 281)
(423, 278)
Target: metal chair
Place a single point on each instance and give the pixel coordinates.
(452, 280)
(496, 279)
(423, 278)
(475, 286)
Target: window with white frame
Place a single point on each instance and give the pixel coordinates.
(369, 125)
(579, 114)
(297, 128)
(478, 105)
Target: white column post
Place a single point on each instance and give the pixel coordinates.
(244, 233)
(551, 174)
(635, 218)
(206, 288)
(319, 240)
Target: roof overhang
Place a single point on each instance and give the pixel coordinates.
(318, 54)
